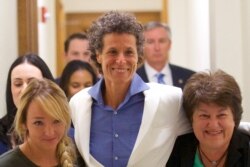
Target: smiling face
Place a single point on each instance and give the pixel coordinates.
(79, 80)
(44, 132)
(213, 125)
(119, 58)
(20, 77)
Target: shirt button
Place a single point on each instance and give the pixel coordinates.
(116, 158)
(116, 135)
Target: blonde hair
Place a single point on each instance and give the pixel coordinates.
(54, 102)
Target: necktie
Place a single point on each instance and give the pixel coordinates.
(160, 78)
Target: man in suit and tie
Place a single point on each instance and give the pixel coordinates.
(156, 67)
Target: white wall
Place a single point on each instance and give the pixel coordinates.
(189, 21)
(246, 58)
(213, 34)
(8, 44)
(229, 42)
(47, 35)
(73, 6)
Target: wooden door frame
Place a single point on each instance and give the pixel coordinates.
(60, 37)
(164, 11)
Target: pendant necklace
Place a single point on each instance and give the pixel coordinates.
(214, 163)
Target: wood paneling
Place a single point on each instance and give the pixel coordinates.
(145, 17)
(76, 22)
(27, 26)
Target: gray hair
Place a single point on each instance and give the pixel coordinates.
(155, 24)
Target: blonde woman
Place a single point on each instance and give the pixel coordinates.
(42, 122)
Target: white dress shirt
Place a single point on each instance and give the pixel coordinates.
(152, 74)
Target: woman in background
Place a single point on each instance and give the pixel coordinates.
(22, 70)
(76, 76)
(212, 102)
(43, 132)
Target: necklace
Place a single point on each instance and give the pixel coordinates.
(214, 163)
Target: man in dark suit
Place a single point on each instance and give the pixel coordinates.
(156, 54)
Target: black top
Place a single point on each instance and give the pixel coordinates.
(14, 158)
(185, 148)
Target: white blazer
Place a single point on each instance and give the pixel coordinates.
(162, 121)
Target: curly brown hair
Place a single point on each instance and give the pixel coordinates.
(114, 22)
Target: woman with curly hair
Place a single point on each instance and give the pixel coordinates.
(121, 120)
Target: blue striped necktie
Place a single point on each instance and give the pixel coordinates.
(160, 78)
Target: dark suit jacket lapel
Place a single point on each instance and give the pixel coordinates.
(176, 75)
(142, 73)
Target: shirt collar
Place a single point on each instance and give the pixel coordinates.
(151, 72)
(137, 86)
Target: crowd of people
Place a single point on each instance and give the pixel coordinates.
(120, 102)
